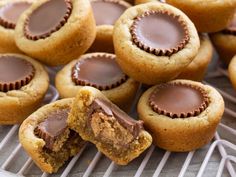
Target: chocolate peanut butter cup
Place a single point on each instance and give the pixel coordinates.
(52, 127)
(10, 13)
(101, 9)
(99, 70)
(159, 32)
(47, 19)
(15, 72)
(177, 100)
(231, 29)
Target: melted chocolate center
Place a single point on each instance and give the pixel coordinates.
(101, 72)
(110, 109)
(107, 12)
(55, 123)
(160, 31)
(177, 100)
(14, 72)
(10, 13)
(47, 18)
(53, 126)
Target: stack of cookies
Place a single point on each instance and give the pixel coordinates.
(108, 49)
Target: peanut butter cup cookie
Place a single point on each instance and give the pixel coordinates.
(23, 84)
(181, 115)
(197, 68)
(225, 42)
(56, 31)
(114, 133)
(154, 42)
(101, 71)
(105, 22)
(232, 72)
(46, 137)
(9, 14)
(207, 15)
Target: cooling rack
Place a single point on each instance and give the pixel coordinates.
(215, 159)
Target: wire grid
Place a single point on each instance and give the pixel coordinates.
(140, 166)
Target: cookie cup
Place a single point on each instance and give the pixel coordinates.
(17, 105)
(65, 44)
(196, 70)
(46, 160)
(232, 71)
(122, 95)
(104, 36)
(225, 45)
(182, 134)
(7, 44)
(208, 16)
(79, 121)
(141, 65)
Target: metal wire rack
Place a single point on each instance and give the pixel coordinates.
(216, 159)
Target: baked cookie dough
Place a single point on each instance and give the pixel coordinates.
(225, 42)
(101, 71)
(9, 14)
(105, 22)
(56, 31)
(181, 115)
(23, 84)
(232, 72)
(154, 42)
(46, 137)
(114, 133)
(144, 1)
(207, 15)
(197, 68)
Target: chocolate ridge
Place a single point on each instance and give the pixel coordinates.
(7, 24)
(61, 24)
(157, 51)
(86, 83)
(5, 87)
(196, 112)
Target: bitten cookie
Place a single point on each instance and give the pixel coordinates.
(154, 42)
(56, 31)
(225, 42)
(232, 72)
(197, 68)
(105, 22)
(114, 133)
(181, 115)
(9, 14)
(101, 71)
(207, 15)
(46, 137)
(23, 84)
